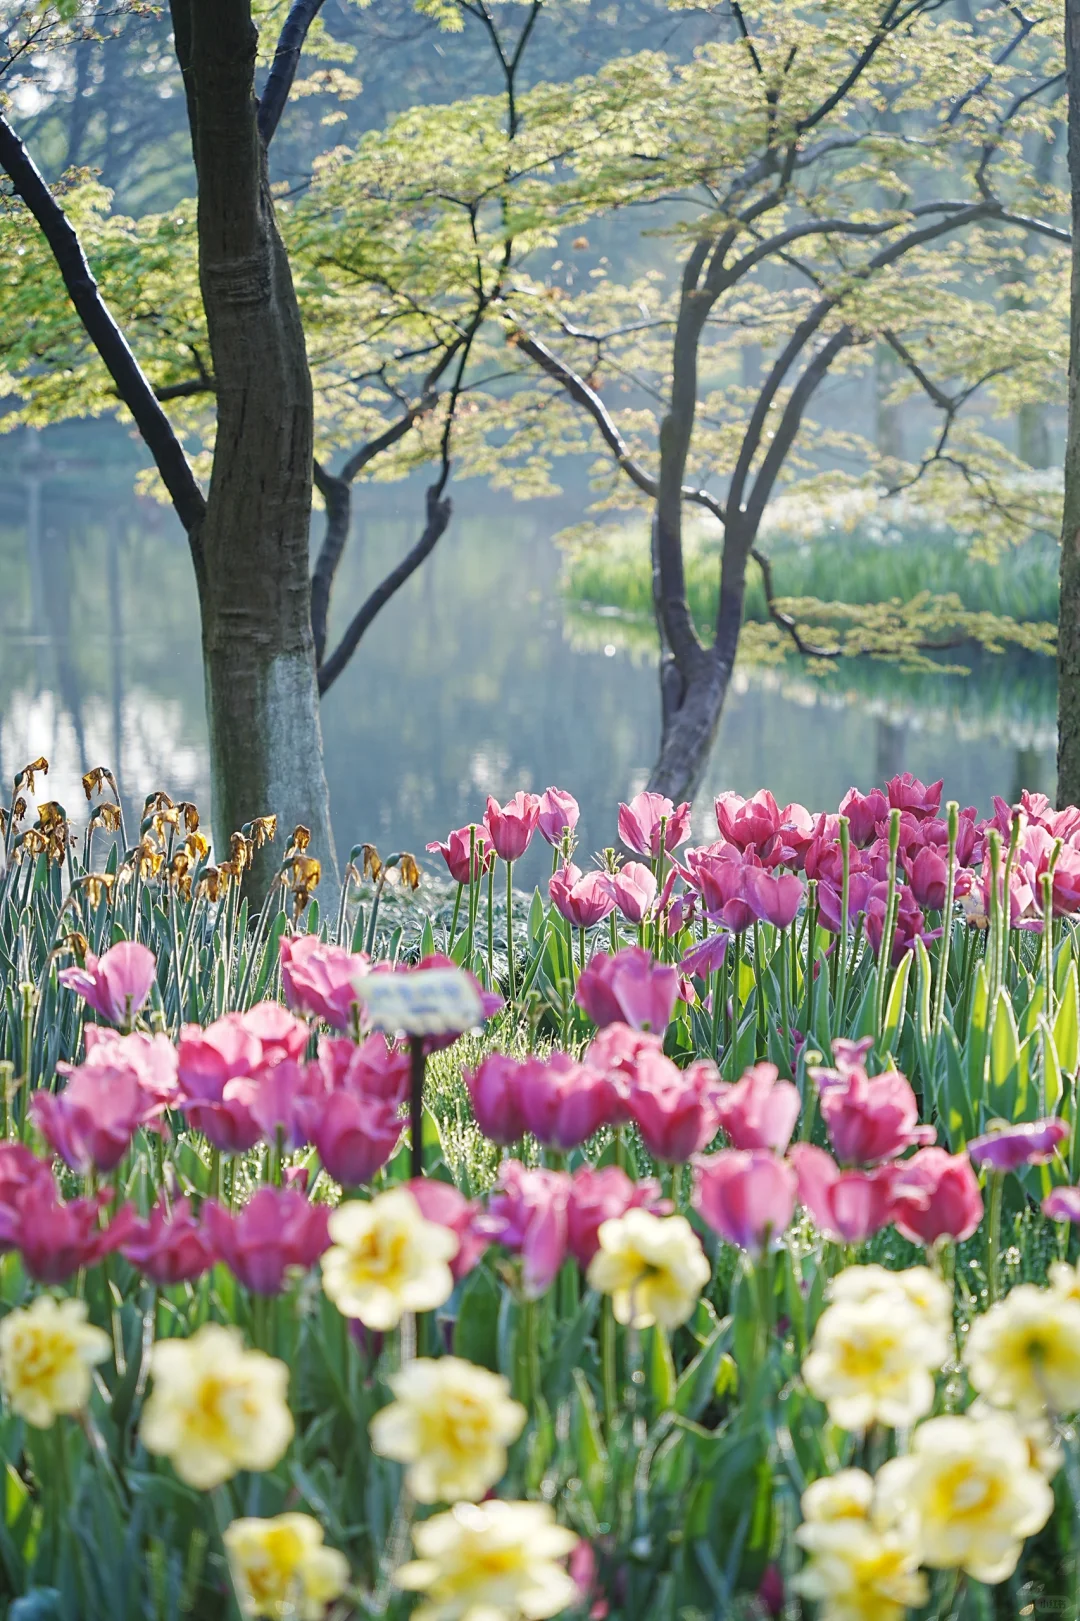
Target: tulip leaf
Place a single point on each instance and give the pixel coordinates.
(1067, 1023)
(1004, 1059)
(978, 1025)
(476, 1331)
(896, 1006)
(537, 916)
(590, 1453)
(1050, 1088)
(661, 1371)
(697, 1382)
(559, 1372)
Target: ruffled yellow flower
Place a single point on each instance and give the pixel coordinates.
(1025, 1352)
(216, 1407)
(451, 1423)
(847, 1495)
(858, 1573)
(281, 1570)
(46, 1353)
(969, 1486)
(1065, 1280)
(923, 1289)
(873, 1361)
(497, 1561)
(387, 1260)
(1044, 1448)
(653, 1267)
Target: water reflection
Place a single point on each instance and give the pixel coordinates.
(469, 682)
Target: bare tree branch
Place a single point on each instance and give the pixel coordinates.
(131, 382)
(290, 45)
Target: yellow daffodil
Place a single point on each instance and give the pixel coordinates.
(653, 1267)
(921, 1287)
(1025, 1352)
(969, 1487)
(855, 1572)
(1044, 1448)
(216, 1407)
(451, 1423)
(847, 1495)
(873, 1361)
(387, 1260)
(47, 1351)
(281, 1570)
(497, 1560)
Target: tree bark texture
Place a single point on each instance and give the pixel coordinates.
(262, 697)
(1068, 760)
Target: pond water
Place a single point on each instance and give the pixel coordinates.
(474, 679)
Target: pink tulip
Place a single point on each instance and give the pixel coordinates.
(760, 1111)
(564, 1103)
(582, 899)
(318, 978)
(936, 1195)
(455, 852)
(278, 1033)
(865, 813)
(721, 879)
(228, 1122)
(910, 923)
(371, 1068)
(20, 1169)
(208, 1059)
(115, 985)
(495, 1093)
(354, 1133)
(748, 822)
(512, 825)
(57, 1240)
(614, 1051)
(443, 1204)
(171, 1247)
(748, 1198)
(706, 958)
(90, 1123)
(628, 988)
(870, 1119)
(639, 824)
(559, 812)
(798, 829)
(276, 1100)
(928, 876)
(676, 1110)
(528, 1216)
(278, 1229)
(1062, 1204)
(908, 793)
(633, 889)
(772, 899)
(151, 1059)
(847, 1206)
(1033, 1143)
(1065, 891)
(597, 1196)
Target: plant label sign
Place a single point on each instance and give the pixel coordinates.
(432, 1002)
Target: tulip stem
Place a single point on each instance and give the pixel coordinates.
(581, 948)
(417, 1060)
(474, 896)
(953, 811)
(491, 926)
(787, 946)
(608, 1364)
(510, 931)
(993, 1235)
(453, 920)
(759, 985)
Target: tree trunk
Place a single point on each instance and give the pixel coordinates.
(252, 554)
(1068, 788)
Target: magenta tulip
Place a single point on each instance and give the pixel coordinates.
(748, 1198)
(564, 1103)
(641, 820)
(760, 1110)
(706, 958)
(151, 1059)
(773, 899)
(676, 1110)
(1062, 1204)
(865, 813)
(512, 825)
(633, 889)
(56, 1240)
(354, 1134)
(455, 852)
(372, 1068)
(602, 1195)
(495, 1093)
(748, 823)
(319, 979)
(115, 985)
(171, 1247)
(278, 1230)
(527, 1214)
(1033, 1143)
(936, 1195)
(443, 1204)
(90, 1123)
(907, 793)
(847, 1206)
(582, 898)
(559, 812)
(870, 1119)
(628, 988)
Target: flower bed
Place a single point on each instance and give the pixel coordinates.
(729, 1270)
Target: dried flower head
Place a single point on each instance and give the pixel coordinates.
(263, 830)
(25, 778)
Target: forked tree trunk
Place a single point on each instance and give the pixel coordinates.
(1068, 787)
(252, 549)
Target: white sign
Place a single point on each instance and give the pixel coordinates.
(430, 1002)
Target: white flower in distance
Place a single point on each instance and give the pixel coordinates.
(969, 1487)
(1025, 1352)
(493, 1561)
(921, 1287)
(386, 1260)
(653, 1267)
(873, 1361)
(451, 1423)
(856, 1572)
(47, 1353)
(847, 1495)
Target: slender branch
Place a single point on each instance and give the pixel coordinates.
(384, 441)
(785, 621)
(294, 32)
(131, 382)
(186, 390)
(439, 509)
